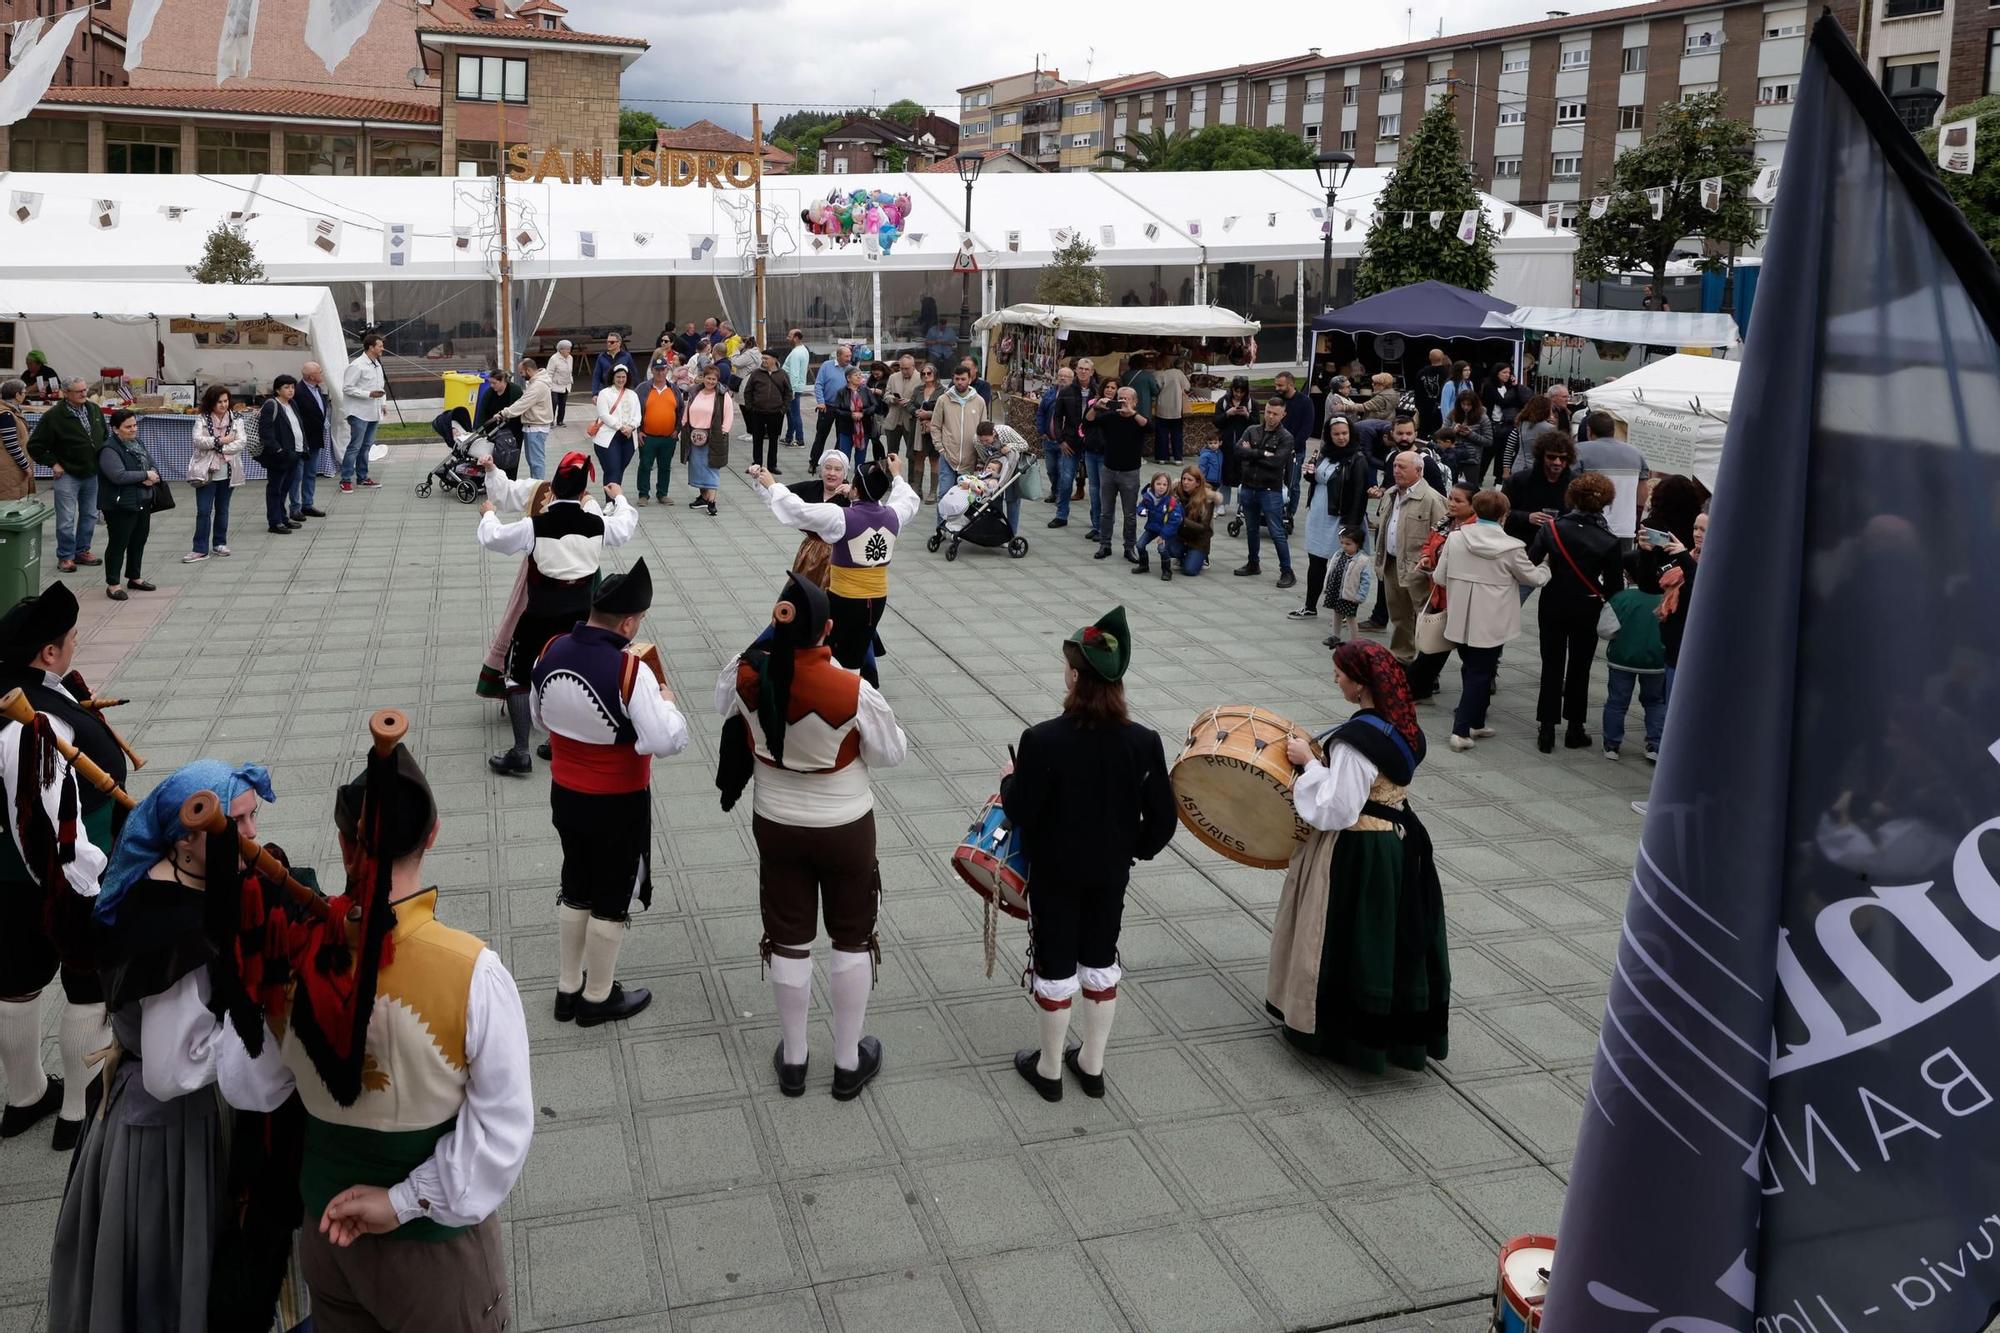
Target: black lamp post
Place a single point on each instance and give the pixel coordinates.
(1916, 106)
(1332, 169)
(968, 171)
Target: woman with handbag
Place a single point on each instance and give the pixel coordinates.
(280, 438)
(710, 416)
(1433, 647)
(1586, 568)
(1479, 568)
(216, 469)
(128, 483)
(615, 430)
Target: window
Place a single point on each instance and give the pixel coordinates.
(1229, 94)
(1903, 78)
(1348, 93)
(492, 79)
(1201, 99)
(1571, 110)
(52, 145)
(1312, 134)
(1898, 9)
(978, 129)
(1575, 57)
(1316, 88)
(1635, 60)
(1776, 92)
(1388, 129)
(1226, 114)
(1514, 62)
(1087, 107)
(1167, 112)
(1631, 117)
(1008, 118)
(1703, 41)
(322, 155)
(840, 166)
(1347, 141)
(551, 25)
(1392, 79)
(1146, 105)
(1277, 93)
(1506, 168)
(1440, 70)
(1083, 140)
(481, 155)
(972, 100)
(1513, 113)
(1992, 67)
(403, 157)
(1784, 27)
(154, 149)
(1566, 166)
(1690, 91)
(232, 152)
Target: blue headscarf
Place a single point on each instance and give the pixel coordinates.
(155, 823)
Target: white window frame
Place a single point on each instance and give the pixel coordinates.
(1572, 110)
(1697, 90)
(1389, 128)
(1626, 63)
(1575, 171)
(1434, 74)
(1700, 42)
(1780, 30)
(505, 67)
(1506, 168)
(1513, 113)
(1316, 88)
(1574, 57)
(1087, 107)
(1274, 93)
(840, 166)
(1636, 114)
(1392, 78)
(1312, 133)
(1779, 91)
(1514, 63)
(1349, 93)
(1347, 141)
(1085, 139)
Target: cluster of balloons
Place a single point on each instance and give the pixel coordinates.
(850, 217)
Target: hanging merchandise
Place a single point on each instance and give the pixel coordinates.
(1437, 219)
(334, 26)
(397, 238)
(104, 214)
(1349, 224)
(1194, 228)
(1711, 194)
(1409, 220)
(27, 83)
(239, 35)
(1468, 225)
(1957, 145)
(173, 212)
(137, 28)
(25, 205)
(1598, 206)
(642, 239)
(1657, 197)
(1229, 222)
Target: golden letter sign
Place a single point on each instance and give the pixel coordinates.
(648, 166)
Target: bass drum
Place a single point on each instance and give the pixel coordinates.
(1233, 785)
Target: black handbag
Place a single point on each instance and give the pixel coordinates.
(163, 497)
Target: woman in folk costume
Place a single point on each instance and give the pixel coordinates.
(1088, 793)
(136, 1245)
(1359, 967)
(810, 731)
(527, 496)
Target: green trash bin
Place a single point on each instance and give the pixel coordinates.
(21, 547)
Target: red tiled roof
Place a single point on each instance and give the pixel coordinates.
(456, 18)
(777, 156)
(704, 136)
(950, 164)
(252, 102)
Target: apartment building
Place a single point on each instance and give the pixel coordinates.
(96, 54)
(990, 113)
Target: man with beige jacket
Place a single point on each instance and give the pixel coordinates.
(536, 411)
(900, 396)
(955, 418)
(1404, 517)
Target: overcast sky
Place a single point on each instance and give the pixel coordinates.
(713, 60)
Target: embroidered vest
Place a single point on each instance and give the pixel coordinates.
(861, 557)
(823, 723)
(582, 684)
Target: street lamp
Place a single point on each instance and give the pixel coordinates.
(1916, 106)
(1332, 169)
(969, 164)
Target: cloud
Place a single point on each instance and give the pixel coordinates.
(710, 63)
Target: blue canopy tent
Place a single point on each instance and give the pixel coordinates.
(1397, 328)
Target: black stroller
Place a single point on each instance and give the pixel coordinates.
(984, 522)
(460, 472)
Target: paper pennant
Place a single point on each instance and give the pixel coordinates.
(1437, 219)
(324, 234)
(397, 239)
(173, 212)
(586, 245)
(461, 238)
(1711, 194)
(1598, 206)
(1349, 224)
(1409, 220)
(1506, 220)
(1657, 197)
(1229, 222)
(642, 239)
(1765, 189)
(1552, 215)
(1194, 227)
(104, 214)
(1468, 225)
(1108, 235)
(24, 205)
(1957, 146)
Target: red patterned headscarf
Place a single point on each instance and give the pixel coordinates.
(1374, 666)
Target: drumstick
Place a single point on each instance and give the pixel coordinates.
(15, 707)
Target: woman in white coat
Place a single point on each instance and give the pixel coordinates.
(615, 432)
(1481, 569)
(216, 469)
(561, 372)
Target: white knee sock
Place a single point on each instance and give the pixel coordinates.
(600, 956)
(83, 1033)
(21, 1050)
(1055, 1034)
(1096, 1017)
(571, 922)
(849, 978)
(791, 984)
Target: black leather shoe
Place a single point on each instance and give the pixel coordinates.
(1103, 553)
(543, 751)
(21, 1119)
(311, 512)
(1576, 738)
(848, 1083)
(1545, 740)
(792, 1078)
(1092, 536)
(1025, 1063)
(510, 764)
(297, 520)
(66, 1135)
(620, 1003)
(1092, 1084)
(281, 530)
(566, 1004)
(1248, 572)
(1287, 579)
(1058, 522)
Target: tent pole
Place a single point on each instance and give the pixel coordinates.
(368, 303)
(759, 317)
(1299, 318)
(875, 310)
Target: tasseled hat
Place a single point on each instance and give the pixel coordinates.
(798, 622)
(407, 817)
(573, 475)
(1104, 649)
(627, 594)
(35, 622)
(876, 481)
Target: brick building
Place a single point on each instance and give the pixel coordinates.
(705, 136)
(96, 55)
(436, 87)
(866, 143)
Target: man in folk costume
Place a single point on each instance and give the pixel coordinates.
(863, 535)
(608, 713)
(528, 496)
(59, 831)
(406, 1165)
(810, 730)
(1088, 793)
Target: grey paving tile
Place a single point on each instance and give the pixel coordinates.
(574, 1167)
(703, 1149)
(1013, 1292)
(1173, 1281)
(1161, 1082)
(1540, 1109)
(939, 1112)
(1333, 1145)
(585, 1266)
(912, 1301)
(26, 1229)
(1427, 1244)
(1224, 1165)
(987, 1204)
(728, 1245)
(1308, 1269)
(578, 1082)
(786, 1312)
(851, 1225)
(1105, 1184)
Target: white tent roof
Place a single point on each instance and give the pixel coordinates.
(1659, 328)
(1676, 410)
(1172, 321)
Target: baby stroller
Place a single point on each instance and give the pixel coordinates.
(983, 521)
(459, 472)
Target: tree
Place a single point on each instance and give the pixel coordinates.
(1147, 150)
(794, 123)
(1431, 176)
(806, 151)
(1072, 277)
(1691, 141)
(1978, 194)
(637, 129)
(903, 111)
(228, 257)
(1238, 148)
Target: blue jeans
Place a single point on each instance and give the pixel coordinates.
(1169, 435)
(795, 424)
(211, 515)
(1065, 479)
(1292, 484)
(614, 458)
(305, 483)
(947, 476)
(1014, 511)
(535, 451)
(1618, 698)
(1190, 560)
(354, 463)
(1093, 471)
(1266, 509)
(76, 514)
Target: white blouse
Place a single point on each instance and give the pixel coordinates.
(620, 407)
(179, 1038)
(1330, 795)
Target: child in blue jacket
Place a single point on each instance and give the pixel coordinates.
(1636, 657)
(1160, 513)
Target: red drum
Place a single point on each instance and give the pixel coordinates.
(993, 862)
(1524, 1283)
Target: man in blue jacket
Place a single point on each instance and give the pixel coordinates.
(832, 378)
(1061, 465)
(613, 356)
(1302, 424)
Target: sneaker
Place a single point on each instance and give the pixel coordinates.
(1287, 579)
(346, 487)
(1481, 733)
(369, 483)
(1639, 807)
(224, 550)
(1303, 613)
(1461, 743)
(194, 557)
(1652, 754)
(1611, 753)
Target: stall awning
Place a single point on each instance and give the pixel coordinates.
(1659, 328)
(1421, 310)
(1169, 321)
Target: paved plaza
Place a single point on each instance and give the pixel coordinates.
(1226, 1183)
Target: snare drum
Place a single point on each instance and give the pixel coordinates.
(994, 862)
(1233, 785)
(1524, 1283)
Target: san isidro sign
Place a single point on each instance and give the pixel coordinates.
(646, 166)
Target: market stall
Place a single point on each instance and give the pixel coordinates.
(1395, 330)
(1676, 410)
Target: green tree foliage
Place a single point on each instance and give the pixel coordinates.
(228, 257)
(1146, 150)
(903, 111)
(1431, 176)
(1689, 141)
(1236, 148)
(1072, 277)
(806, 148)
(1977, 195)
(637, 129)
(795, 123)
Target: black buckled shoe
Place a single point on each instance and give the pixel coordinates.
(566, 1001)
(68, 1132)
(1092, 1084)
(509, 763)
(848, 1083)
(1025, 1064)
(792, 1078)
(20, 1119)
(543, 751)
(619, 1004)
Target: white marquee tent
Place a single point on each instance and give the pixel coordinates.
(1181, 321)
(1676, 410)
